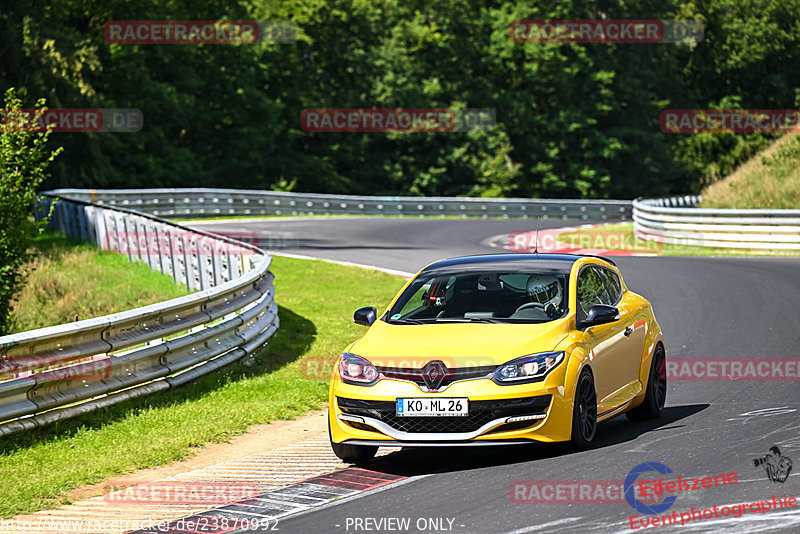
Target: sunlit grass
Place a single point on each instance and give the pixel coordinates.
(69, 281)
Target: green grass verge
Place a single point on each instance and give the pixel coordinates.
(770, 180)
(69, 281)
(620, 237)
(316, 302)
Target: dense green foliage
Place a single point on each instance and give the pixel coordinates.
(574, 120)
(24, 159)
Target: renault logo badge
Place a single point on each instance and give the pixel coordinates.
(433, 374)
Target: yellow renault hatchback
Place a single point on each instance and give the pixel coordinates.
(495, 349)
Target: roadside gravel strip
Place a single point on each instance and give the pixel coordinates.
(275, 483)
(265, 510)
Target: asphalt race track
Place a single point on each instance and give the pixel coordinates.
(707, 307)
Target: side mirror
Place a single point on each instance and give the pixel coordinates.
(600, 314)
(365, 316)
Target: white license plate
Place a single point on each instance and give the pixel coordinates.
(433, 407)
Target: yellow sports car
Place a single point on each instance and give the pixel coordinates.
(494, 349)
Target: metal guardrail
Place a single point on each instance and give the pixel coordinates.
(201, 202)
(62, 371)
(677, 220)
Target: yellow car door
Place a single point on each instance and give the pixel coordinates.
(612, 352)
(633, 323)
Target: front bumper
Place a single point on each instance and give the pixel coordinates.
(484, 417)
(497, 414)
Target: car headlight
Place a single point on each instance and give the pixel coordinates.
(357, 370)
(531, 368)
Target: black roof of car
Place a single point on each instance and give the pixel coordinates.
(554, 262)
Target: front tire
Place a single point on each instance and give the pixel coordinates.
(353, 454)
(584, 411)
(656, 395)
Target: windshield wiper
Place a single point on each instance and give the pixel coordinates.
(404, 321)
(469, 320)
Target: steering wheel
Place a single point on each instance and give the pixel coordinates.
(530, 305)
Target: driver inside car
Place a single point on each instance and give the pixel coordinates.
(544, 292)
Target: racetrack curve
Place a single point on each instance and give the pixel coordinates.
(707, 307)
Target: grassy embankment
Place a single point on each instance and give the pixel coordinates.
(70, 281)
(770, 180)
(289, 378)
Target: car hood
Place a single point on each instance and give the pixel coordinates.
(456, 344)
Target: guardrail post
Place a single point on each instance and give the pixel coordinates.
(176, 249)
(232, 265)
(91, 223)
(153, 254)
(218, 275)
(163, 261)
(191, 265)
(101, 232)
(203, 265)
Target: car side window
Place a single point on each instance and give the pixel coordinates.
(612, 285)
(591, 290)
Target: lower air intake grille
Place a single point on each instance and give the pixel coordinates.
(480, 413)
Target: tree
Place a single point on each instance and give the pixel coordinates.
(24, 159)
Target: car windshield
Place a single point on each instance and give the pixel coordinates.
(485, 296)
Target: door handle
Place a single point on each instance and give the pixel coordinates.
(629, 331)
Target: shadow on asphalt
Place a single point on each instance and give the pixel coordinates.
(414, 461)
